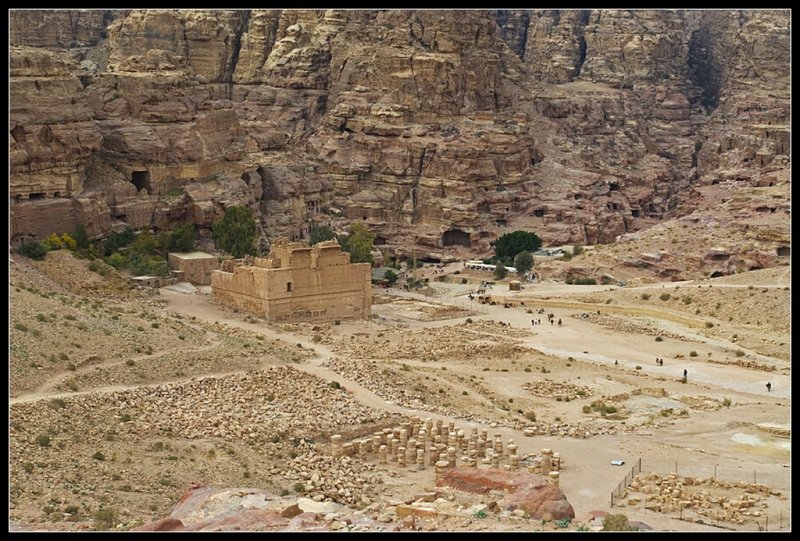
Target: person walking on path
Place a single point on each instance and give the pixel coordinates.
(769, 387)
(685, 373)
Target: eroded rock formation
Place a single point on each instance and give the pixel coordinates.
(579, 124)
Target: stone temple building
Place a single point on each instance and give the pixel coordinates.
(297, 282)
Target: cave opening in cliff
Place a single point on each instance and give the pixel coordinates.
(36, 195)
(635, 213)
(783, 251)
(379, 241)
(141, 179)
(455, 237)
(613, 186)
(502, 222)
(716, 274)
(538, 213)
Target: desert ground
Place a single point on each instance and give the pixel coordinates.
(122, 403)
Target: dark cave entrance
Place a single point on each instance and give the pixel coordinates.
(141, 179)
(455, 237)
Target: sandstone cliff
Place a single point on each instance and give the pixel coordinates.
(439, 130)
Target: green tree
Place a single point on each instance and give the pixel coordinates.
(235, 233)
(319, 233)
(115, 241)
(32, 249)
(500, 271)
(181, 239)
(391, 277)
(81, 237)
(577, 250)
(523, 262)
(510, 244)
(359, 243)
(145, 243)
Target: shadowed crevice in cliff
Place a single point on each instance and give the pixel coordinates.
(237, 48)
(513, 25)
(704, 69)
(579, 31)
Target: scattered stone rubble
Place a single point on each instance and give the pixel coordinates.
(552, 389)
(708, 497)
(483, 339)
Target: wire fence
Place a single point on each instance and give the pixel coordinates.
(736, 480)
(623, 485)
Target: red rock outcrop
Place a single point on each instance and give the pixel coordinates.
(534, 494)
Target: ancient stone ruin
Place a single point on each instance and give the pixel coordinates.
(297, 282)
(194, 267)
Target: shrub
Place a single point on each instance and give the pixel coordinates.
(581, 281)
(564, 522)
(739, 353)
(659, 339)
(155, 325)
(709, 324)
(469, 320)
(94, 265)
(692, 353)
(617, 523)
(32, 249)
(726, 402)
(52, 242)
(638, 367)
(299, 487)
(63, 356)
(687, 300)
(21, 327)
(530, 415)
(645, 296)
(117, 260)
(335, 385)
(99, 456)
(71, 367)
(130, 362)
(115, 241)
(68, 242)
(43, 440)
(587, 409)
(663, 297)
(610, 409)
(318, 233)
(105, 518)
(126, 418)
(57, 404)
(28, 467)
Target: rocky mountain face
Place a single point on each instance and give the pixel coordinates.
(437, 129)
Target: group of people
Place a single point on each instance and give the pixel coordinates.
(659, 362)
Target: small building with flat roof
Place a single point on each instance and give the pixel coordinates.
(195, 266)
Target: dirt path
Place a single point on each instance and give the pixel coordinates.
(588, 341)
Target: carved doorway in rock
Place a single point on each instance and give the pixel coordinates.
(455, 237)
(141, 179)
